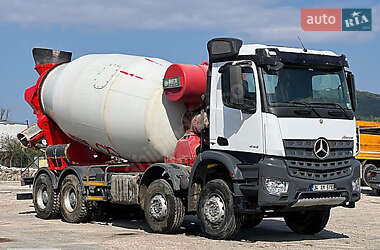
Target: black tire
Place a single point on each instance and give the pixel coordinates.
(160, 195)
(307, 222)
(222, 222)
(377, 192)
(97, 211)
(77, 210)
(252, 220)
(45, 199)
(366, 169)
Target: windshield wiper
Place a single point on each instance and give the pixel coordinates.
(304, 104)
(335, 104)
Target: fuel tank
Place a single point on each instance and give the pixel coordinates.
(115, 104)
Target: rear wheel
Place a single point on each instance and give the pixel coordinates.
(45, 199)
(163, 210)
(307, 222)
(216, 211)
(97, 211)
(74, 206)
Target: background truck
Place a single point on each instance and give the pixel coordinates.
(369, 155)
(259, 131)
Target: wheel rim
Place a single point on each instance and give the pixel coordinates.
(70, 199)
(214, 209)
(158, 207)
(42, 197)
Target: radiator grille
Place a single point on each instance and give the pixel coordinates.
(304, 149)
(320, 171)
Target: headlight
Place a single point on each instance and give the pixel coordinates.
(276, 186)
(356, 185)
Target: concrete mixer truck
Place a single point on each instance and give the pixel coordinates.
(258, 131)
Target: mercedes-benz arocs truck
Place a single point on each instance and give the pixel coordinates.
(258, 131)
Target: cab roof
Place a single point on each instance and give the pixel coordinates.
(250, 49)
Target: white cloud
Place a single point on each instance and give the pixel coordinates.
(257, 21)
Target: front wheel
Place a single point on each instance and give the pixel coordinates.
(74, 207)
(307, 222)
(164, 211)
(216, 211)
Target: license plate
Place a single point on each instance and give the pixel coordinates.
(322, 187)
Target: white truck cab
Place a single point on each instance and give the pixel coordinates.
(285, 117)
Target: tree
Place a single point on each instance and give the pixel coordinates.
(13, 154)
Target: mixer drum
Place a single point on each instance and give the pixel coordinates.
(115, 104)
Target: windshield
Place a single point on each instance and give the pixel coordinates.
(292, 86)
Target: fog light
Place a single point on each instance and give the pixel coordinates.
(356, 185)
(275, 186)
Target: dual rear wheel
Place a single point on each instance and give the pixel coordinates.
(69, 201)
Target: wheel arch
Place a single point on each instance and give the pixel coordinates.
(221, 164)
(78, 172)
(177, 175)
(53, 177)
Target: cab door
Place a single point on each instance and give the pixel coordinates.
(235, 109)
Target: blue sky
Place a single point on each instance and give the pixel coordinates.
(173, 30)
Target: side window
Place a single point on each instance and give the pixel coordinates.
(245, 94)
(271, 82)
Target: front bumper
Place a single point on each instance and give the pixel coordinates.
(299, 194)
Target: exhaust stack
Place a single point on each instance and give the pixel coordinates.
(50, 56)
(45, 59)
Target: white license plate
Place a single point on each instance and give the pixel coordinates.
(322, 187)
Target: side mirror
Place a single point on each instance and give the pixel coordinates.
(236, 85)
(223, 49)
(233, 92)
(351, 88)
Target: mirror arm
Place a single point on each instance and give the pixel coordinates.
(351, 82)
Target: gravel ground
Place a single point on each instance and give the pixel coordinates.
(357, 228)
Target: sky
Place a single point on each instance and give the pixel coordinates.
(176, 31)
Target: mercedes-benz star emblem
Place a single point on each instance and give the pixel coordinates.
(321, 148)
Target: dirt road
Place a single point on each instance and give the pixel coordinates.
(357, 228)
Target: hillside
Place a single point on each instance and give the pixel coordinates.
(368, 106)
